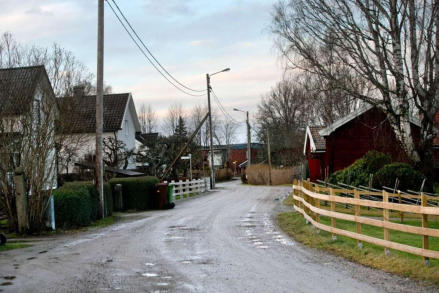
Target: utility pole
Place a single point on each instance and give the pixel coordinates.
(269, 157)
(100, 107)
(249, 143)
(212, 164)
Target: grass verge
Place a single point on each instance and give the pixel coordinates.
(10, 246)
(400, 263)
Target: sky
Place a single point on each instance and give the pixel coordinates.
(189, 37)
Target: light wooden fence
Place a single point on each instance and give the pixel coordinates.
(308, 198)
(189, 188)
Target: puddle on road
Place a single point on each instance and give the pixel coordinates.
(149, 264)
(162, 284)
(149, 275)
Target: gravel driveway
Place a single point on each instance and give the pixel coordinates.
(225, 241)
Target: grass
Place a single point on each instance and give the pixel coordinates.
(101, 223)
(397, 262)
(10, 246)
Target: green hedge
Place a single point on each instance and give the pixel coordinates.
(77, 204)
(137, 192)
(409, 178)
(73, 206)
(358, 173)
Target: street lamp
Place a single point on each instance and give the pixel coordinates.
(212, 167)
(249, 154)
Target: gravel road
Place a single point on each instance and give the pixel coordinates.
(225, 241)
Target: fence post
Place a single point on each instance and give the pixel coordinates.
(331, 194)
(425, 244)
(317, 205)
(401, 214)
(357, 214)
(386, 219)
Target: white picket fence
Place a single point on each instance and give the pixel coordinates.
(188, 188)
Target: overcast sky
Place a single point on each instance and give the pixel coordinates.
(189, 37)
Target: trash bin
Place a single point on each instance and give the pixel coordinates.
(170, 193)
(161, 198)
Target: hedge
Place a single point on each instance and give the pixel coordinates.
(137, 192)
(93, 192)
(73, 206)
(359, 172)
(409, 178)
(77, 204)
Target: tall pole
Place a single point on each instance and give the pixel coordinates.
(100, 106)
(212, 164)
(269, 157)
(249, 143)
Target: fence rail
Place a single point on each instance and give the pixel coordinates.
(307, 197)
(189, 188)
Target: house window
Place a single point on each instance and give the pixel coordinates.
(127, 128)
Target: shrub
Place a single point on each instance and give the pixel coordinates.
(358, 173)
(94, 197)
(137, 192)
(73, 206)
(259, 175)
(409, 178)
(223, 174)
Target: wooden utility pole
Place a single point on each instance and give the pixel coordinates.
(269, 157)
(249, 143)
(212, 163)
(100, 107)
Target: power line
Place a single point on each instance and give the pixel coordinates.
(147, 57)
(226, 114)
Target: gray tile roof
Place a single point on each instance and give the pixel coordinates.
(81, 112)
(319, 140)
(17, 88)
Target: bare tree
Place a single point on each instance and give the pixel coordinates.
(62, 67)
(147, 118)
(116, 154)
(175, 111)
(392, 45)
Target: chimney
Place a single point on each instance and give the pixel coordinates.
(78, 91)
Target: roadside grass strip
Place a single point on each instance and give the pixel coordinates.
(370, 255)
(13, 245)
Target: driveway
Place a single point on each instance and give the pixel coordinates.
(225, 241)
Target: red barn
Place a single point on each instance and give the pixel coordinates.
(334, 147)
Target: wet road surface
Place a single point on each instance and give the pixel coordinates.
(225, 241)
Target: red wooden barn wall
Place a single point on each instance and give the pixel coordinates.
(369, 131)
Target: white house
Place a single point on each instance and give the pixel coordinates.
(27, 125)
(120, 124)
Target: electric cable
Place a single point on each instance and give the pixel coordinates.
(147, 57)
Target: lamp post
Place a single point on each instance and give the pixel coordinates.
(212, 167)
(249, 150)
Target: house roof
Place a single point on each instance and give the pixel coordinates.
(81, 112)
(342, 121)
(317, 142)
(18, 86)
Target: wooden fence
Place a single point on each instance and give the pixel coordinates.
(189, 188)
(308, 198)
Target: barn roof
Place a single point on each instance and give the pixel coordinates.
(342, 121)
(317, 142)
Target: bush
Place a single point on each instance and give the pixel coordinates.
(94, 197)
(409, 178)
(73, 206)
(223, 174)
(138, 192)
(359, 172)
